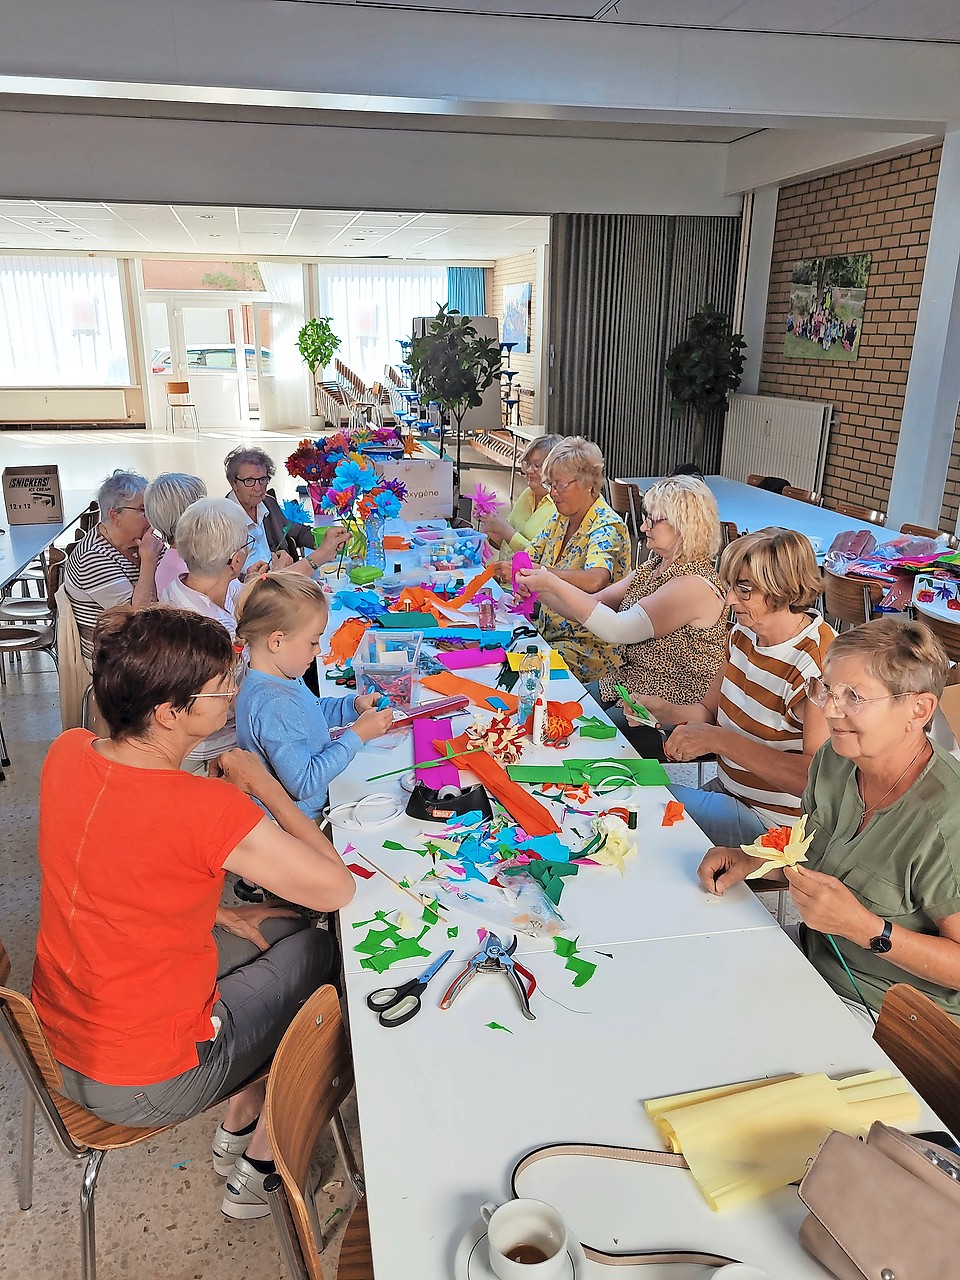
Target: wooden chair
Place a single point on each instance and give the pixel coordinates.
(728, 533)
(627, 501)
(802, 495)
(311, 1076)
(948, 633)
(178, 398)
(754, 480)
(922, 531)
(78, 1133)
(855, 512)
(923, 1041)
(849, 601)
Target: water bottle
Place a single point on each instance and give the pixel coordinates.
(529, 682)
(376, 556)
(486, 614)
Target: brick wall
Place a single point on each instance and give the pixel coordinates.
(883, 209)
(518, 270)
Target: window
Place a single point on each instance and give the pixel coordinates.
(61, 322)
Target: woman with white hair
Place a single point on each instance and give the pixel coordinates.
(116, 562)
(165, 500)
(211, 536)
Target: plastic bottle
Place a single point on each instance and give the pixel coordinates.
(376, 556)
(529, 682)
(486, 617)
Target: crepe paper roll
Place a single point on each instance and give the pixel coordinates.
(425, 733)
(462, 659)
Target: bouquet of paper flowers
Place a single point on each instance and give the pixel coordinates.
(358, 493)
(316, 461)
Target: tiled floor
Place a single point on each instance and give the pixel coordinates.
(158, 1203)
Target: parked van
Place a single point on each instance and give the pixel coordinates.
(217, 357)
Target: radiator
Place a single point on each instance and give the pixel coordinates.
(770, 436)
(63, 404)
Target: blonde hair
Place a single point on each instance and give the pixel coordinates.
(579, 458)
(540, 444)
(276, 602)
(906, 657)
(690, 509)
(779, 562)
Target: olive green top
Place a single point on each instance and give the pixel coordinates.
(904, 865)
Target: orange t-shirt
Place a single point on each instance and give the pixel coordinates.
(132, 873)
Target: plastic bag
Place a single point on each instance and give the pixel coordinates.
(520, 906)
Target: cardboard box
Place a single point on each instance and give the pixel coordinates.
(429, 484)
(31, 495)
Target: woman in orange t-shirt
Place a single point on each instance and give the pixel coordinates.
(157, 1010)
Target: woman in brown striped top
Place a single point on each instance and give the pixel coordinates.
(756, 717)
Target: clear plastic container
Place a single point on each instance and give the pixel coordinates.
(454, 551)
(386, 663)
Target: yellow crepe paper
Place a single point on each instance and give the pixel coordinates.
(793, 852)
(744, 1140)
(617, 846)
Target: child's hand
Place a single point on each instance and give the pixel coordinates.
(366, 702)
(373, 724)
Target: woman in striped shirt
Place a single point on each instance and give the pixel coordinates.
(116, 562)
(756, 717)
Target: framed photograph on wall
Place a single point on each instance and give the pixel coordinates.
(825, 316)
(515, 322)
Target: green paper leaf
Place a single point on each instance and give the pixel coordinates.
(453, 932)
(430, 913)
(583, 970)
(498, 1026)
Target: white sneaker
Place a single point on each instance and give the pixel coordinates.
(245, 1197)
(227, 1148)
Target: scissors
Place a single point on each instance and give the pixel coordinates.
(397, 1005)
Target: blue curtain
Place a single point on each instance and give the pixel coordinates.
(467, 290)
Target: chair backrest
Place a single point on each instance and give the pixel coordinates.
(924, 1043)
(754, 480)
(53, 568)
(924, 531)
(178, 389)
(850, 600)
(802, 495)
(948, 633)
(18, 1010)
(857, 513)
(312, 1074)
(89, 517)
(728, 533)
(626, 499)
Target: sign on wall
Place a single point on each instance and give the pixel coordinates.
(825, 317)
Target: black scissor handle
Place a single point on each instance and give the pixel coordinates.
(407, 1007)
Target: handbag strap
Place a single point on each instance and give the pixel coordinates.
(640, 1156)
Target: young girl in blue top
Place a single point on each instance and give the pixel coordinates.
(281, 617)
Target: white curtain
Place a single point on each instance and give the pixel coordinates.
(293, 396)
(373, 306)
(61, 322)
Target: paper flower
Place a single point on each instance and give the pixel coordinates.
(780, 847)
(485, 501)
(295, 513)
(616, 847)
(501, 738)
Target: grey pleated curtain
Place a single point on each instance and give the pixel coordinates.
(621, 289)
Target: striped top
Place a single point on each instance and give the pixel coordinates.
(97, 577)
(763, 697)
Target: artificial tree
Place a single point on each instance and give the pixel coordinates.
(453, 365)
(316, 343)
(703, 369)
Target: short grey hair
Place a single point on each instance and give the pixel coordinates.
(541, 444)
(577, 458)
(167, 497)
(237, 457)
(209, 532)
(118, 488)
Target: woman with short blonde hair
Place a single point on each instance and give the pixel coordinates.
(668, 614)
(165, 500)
(533, 508)
(780, 562)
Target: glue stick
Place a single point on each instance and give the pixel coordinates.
(539, 719)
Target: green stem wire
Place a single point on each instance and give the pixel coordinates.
(829, 938)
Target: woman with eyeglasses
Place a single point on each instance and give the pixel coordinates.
(116, 562)
(881, 884)
(533, 508)
(154, 1009)
(272, 536)
(585, 544)
(756, 717)
(668, 615)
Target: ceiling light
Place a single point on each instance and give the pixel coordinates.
(207, 217)
(44, 222)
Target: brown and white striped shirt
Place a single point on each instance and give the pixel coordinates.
(763, 697)
(97, 577)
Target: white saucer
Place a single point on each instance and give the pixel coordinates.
(472, 1261)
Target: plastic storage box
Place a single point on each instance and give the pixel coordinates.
(386, 663)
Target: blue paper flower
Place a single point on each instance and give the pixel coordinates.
(352, 474)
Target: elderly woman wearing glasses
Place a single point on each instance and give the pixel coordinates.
(585, 543)
(155, 1014)
(881, 883)
(533, 508)
(756, 717)
(272, 536)
(668, 615)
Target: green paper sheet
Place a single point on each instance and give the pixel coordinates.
(453, 932)
(406, 621)
(550, 875)
(573, 772)
(596, 727)
(498, 1026)
(582, 970)
(430, 914)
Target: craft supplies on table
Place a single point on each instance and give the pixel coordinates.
(386, 663)
(494, 957)
(397, 1005)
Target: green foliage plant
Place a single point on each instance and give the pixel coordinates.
(703, 368)
(316, 343)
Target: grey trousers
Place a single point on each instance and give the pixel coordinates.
(260, 992)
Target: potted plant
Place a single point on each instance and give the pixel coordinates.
(453, 366)
(316, 343)
(703, 369)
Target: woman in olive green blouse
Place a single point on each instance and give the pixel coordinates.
(882, 877)
(533, 508)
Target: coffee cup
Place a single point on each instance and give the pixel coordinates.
(526, 1240)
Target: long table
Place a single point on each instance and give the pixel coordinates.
(750, 508)
(22, 543)
(690, 991)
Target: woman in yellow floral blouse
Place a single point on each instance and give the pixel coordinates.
(586, 543)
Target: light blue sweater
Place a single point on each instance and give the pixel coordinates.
(288, 727)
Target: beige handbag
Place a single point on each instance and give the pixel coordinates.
(886, 1209)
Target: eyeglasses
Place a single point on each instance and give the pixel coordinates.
(529, 468)
(559, 488)
(743, 590)
(647, 519)
(847, 701)
(223, 693)
(253, 482)
(127, 507)
(245, 548)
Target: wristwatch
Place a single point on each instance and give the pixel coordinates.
(881, 944)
